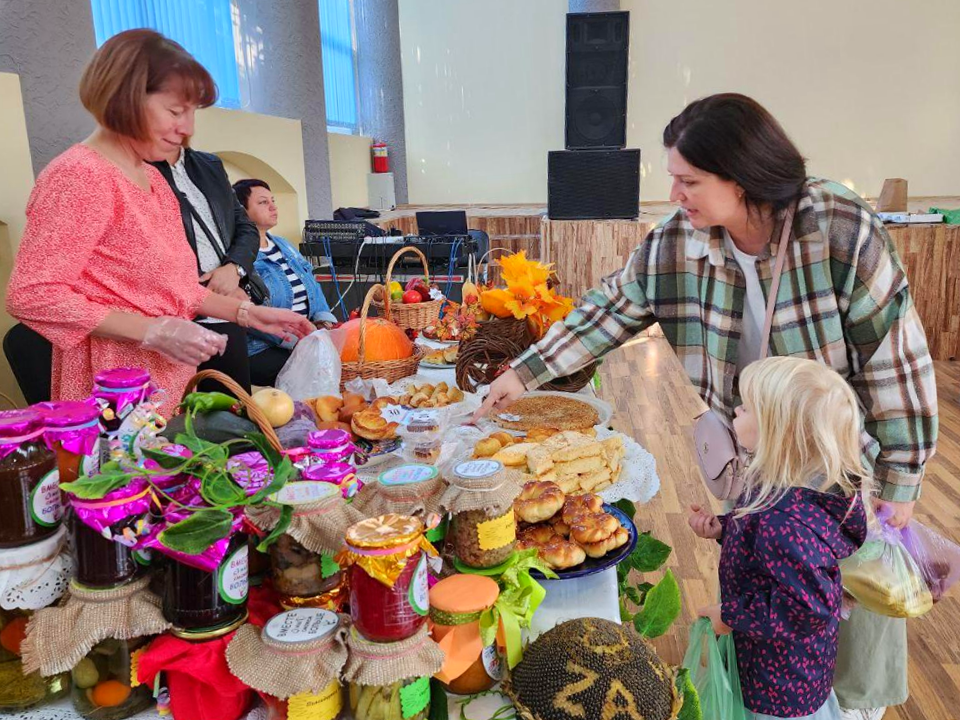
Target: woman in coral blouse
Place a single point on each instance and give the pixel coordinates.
(104, 270)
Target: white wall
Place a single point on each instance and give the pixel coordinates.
(867, 89)
(483, 95)
(350, 163)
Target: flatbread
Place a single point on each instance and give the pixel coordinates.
(549, 411)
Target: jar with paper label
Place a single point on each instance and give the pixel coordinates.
(391, 681)
(71, 430)
(208, 603)
(472, 661)
(103, 683)
(388, 571)
(339, 475)
(483, 529)
(31, 507)
(294, 663)
(19, 691)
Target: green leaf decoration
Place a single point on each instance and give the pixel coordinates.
(660, 608)
(286, 514)
(649, 555)
(328, 566)
(633, 595)
(628, 508)
(111, 477)
(164, 460)
(259, 441)
(219, 489)
(691, 698)
(281, 474)
(196, 533)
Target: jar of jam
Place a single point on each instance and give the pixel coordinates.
(337, 474)
(456, 604)
(331, 446)
(201, 601)
(71, 430)
(31, 507)
(19, 691)
(101, 563)
(483, 529)
(387, 557)
(103, 683)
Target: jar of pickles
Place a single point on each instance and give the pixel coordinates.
(103, 682)
(294, 662)
(483, 529)
(387, 560)
(30, 500)
(19, 691)
(71, 430)
(202, 602)
(391, 680)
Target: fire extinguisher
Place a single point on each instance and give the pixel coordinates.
(381, 159)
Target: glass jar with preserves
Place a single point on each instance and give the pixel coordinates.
(294, 663)
(387, 559)
(199, 601)
(19, 691)
(456, 604)
(31, 507)
(303, 578)
(483, 529)
(103, 684)
(71, 430)
(118, 392)
(331, 446)
(391, 680)
(339, 475)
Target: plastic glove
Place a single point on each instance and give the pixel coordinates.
(276, 321)
(183, 341)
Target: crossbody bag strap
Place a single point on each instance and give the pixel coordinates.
(775, 283)
(184, 201)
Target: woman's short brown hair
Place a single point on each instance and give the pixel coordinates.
(133, 64)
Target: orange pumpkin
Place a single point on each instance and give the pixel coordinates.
(384, 341)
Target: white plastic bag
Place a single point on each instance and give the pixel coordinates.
(313, 368)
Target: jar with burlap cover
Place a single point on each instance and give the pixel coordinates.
(391, 679)
(297, 657)
(480, 495)
(409, 489)
(59, 637)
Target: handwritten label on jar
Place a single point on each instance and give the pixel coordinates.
(407, 475)
(324, 706)
(419, 594)
(478, 468)
(304, 491)
(491, 662)
(301, 625)
(498, 532)
(415, 697)
(234, 577)
(46, 505)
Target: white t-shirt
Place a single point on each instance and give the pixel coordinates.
(754, 306)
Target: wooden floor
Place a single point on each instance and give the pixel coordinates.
(655, 404)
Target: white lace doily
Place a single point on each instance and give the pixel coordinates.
(638, 481)
(35, 576)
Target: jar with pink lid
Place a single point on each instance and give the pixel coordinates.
(332, 446)
(340, 474)
(71, 430)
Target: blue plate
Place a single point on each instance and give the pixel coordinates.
(595, 565)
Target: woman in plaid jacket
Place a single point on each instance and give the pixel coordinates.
(704, 274)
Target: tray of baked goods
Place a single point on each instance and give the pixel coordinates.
(555, 411)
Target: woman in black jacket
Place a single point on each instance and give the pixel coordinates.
(224, 240)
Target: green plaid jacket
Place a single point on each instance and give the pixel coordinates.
(843, 300)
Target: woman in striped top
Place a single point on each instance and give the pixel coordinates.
(288, 276)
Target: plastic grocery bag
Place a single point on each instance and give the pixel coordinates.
(883, 577)
(937, 557)
(313, 368)
(718, 681)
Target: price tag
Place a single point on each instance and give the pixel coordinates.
(478, 468)
(301, 625)
(414, 697)
(498, 532)
(325, 706)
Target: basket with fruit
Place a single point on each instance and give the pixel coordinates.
(415, 306)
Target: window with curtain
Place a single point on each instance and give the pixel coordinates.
(203, 27)
(339, 64)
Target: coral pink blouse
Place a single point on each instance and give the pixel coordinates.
(95, 242)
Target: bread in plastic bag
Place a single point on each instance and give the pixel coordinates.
(313, 369)
(883, 577)
(937, 557)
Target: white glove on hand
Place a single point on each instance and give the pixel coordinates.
(183, 341)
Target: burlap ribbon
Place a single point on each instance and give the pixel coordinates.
(493, 495)
(381, 664)
(416, 499)
(286, 669)
(59, 637)
(318, 526)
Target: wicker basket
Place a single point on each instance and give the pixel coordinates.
(415, 316)
(389, 370)
(254, 413)
(499, 341)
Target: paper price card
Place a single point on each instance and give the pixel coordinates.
(498, 532)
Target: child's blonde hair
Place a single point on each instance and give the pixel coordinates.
(808, 432)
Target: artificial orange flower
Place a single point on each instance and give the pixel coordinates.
(494, 302)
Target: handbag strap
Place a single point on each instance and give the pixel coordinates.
(775, 283)
(214, 241)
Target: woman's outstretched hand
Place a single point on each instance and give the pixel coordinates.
(280, 322)
(504, 391)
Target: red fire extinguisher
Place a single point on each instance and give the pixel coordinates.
(381, 159)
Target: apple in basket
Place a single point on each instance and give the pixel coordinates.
(411, 296)
(420, 285)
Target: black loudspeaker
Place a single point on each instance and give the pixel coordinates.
(597, 45)
(593, 184)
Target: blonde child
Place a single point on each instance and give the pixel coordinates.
(802, 511)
